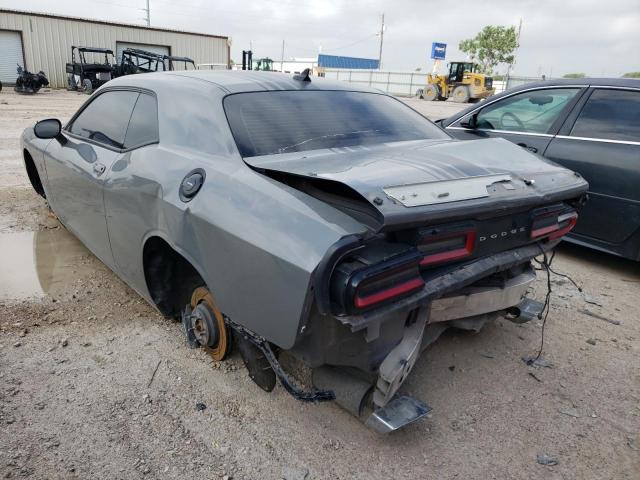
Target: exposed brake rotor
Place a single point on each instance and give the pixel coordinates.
(206, 325)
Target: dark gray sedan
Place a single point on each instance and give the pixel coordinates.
(591, 126)
(281, 213)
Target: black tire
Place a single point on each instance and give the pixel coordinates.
(460, 94)
(431, 93)
(0, 86)
(71, 83)
(32, 173)
(87, 86)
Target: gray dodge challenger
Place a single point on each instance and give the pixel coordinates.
(289, 215)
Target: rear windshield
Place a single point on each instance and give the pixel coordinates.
(265, 123)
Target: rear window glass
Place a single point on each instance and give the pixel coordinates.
(265, 123)
(610, 114)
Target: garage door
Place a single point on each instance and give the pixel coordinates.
(120, 46)
(10, 56)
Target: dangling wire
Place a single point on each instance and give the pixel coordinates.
(545, 265)
(544, 313)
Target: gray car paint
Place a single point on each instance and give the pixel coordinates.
(256, 242)
(368, 170)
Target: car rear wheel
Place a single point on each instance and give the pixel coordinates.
(205, 326)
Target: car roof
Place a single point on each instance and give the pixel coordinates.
(598, 82)
(560, 82)
(237, 81)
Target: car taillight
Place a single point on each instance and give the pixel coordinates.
(552, 223)
(446, 247)
(375, 275)
(392, 284)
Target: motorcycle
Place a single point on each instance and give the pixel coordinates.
(30, 83)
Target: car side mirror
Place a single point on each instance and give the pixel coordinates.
(49, 128)
(471, 122)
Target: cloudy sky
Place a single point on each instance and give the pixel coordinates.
(600, 38)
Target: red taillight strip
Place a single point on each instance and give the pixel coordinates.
(555, 230)
(406, 287)
(563, 231)
(539, 232)
(450, 255)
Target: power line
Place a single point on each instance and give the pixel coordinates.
(354, 43)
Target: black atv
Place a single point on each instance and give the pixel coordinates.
(82, 75)
(30, 83)
(184, 62)
(136, 61)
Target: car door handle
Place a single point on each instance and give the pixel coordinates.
(99, 168)
(527, 147)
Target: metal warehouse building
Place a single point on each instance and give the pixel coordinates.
(43, 42)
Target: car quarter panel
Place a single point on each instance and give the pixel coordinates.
(251, 238)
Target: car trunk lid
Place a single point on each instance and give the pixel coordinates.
(418, 181)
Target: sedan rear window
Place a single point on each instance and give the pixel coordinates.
(266, 123)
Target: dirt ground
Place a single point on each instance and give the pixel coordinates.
(94, 383)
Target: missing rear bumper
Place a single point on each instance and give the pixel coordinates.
(478, 300)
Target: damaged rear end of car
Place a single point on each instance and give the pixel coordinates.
(450, 229)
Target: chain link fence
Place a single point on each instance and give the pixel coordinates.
(405, 84)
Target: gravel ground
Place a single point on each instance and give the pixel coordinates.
(94, 383)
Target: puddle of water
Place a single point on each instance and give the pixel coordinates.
(43, 262)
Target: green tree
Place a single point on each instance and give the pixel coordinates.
(574, 75)
(631, 75)
(491, 46)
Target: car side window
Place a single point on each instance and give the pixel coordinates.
(610, 114)
(106, 118)
(528, 112)
(143, 125)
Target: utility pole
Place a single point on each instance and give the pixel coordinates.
(381, 40)
(282, 57)
(148, 17)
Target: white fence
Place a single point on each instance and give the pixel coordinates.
(404, 84)
(396, 83)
